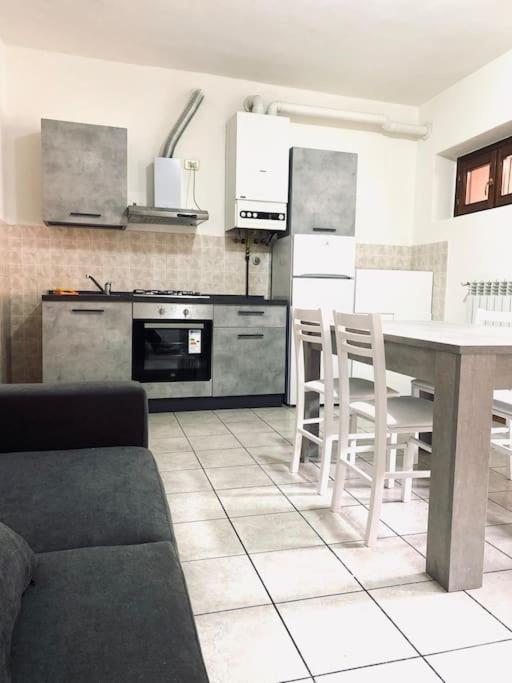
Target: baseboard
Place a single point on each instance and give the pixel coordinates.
(176, 405)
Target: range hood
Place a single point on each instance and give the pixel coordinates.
(169, 183)
(162, 216)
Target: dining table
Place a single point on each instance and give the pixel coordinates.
(465, 363)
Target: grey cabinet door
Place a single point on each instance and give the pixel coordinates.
(87, 341)
(248, 361)
(249, 316)
(322, 197)
(84, 174)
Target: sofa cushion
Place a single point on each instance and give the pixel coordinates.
(17, 564)
(116, 614)
(87, 497)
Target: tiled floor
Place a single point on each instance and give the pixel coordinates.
(284, 590)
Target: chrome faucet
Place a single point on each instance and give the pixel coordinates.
(106, 289)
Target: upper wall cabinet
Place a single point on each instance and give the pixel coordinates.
(322, 198)
(84, 174)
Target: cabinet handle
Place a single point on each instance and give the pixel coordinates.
(250, 336)
(324, 229)
(84, 214)
(87, 310)
(251, 312)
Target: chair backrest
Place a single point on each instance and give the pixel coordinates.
(309, 327)
(360, 337)
(485, 317)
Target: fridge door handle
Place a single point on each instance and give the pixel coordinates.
(325, 276)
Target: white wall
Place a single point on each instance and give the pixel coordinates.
(2, 124)
(147, 100)
(473, 112)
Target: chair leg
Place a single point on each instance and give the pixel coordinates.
(325, 465)
(392, 460)
(339, 483)
(408, 467)
(376, 498)
(353, 443)
(299, 423)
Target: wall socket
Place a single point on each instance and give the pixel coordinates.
(191, 165)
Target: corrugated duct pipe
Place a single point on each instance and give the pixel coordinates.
(380, 120)
(181, 124)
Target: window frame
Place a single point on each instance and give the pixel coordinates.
(494, 155)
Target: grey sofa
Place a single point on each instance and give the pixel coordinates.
(107, 601)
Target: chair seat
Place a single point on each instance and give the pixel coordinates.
(503, 401)
(404, 412)
(360, 389)
(422, 385)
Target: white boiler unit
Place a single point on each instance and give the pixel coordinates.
(257, 150)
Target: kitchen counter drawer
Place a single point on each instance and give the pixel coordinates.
(248, 362)
(249, 316)
(87, 341)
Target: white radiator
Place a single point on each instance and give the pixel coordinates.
(488, 295)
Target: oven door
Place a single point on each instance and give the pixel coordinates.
(172, 350)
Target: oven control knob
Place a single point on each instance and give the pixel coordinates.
(161, 310)
(186, 312)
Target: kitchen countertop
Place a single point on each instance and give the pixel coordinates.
(219, 299)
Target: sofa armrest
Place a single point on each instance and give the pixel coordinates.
(42, 417)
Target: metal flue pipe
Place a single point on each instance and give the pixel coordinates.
(181, 124)
(255, 104)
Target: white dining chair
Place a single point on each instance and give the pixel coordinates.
(501, 437)
(360, 337)
(309, 327)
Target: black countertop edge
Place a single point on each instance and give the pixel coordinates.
(225, 299)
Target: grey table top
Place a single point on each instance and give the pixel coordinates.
(451, 337)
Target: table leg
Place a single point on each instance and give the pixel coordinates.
(312, 359)
(460, 469)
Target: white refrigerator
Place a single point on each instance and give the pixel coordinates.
(313, 271)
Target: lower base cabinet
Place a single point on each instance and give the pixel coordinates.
(248, 361)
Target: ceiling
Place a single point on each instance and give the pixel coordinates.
(395, 50)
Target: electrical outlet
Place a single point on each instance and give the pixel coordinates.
(191, 165)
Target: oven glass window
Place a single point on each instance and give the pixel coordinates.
(172, 351)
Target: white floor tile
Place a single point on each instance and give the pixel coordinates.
(304, 496)
(500, 536)
(496, 595)
(248, 646)
(391, 562)
(252, 440)
(172, 444)
(164, 430)
(209, 443)
(410, 670)
(360, 489)
(185, 481)
(406, 518)
(503, 498)
(494, 559)
(229, 457)
(250, 427)
(195, 507)
(497, 514)
(238, 477)
(168, 462)
(258, 500)
(280, 474)
(231, 416)
(303, 573)
(434, 620)
(202, 540)
(499, 482)
(205, 428)
(272, 455)
(275, 532)
(348, 524)
(197, 417)
(475, 665)
(223, 583)
(343, 631)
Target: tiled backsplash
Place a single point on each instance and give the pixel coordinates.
(34, 259)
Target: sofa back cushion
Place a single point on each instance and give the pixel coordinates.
(17, 564)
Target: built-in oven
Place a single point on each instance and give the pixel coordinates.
(172, 342)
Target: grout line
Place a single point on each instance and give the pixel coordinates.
(468, 647)
(488, 611)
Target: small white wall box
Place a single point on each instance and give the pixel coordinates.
(257, 153)
(168, 183)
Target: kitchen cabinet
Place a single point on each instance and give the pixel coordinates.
(322, 195)
(87, 341)
(249, 316)
(248, 360)
(84, 174)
